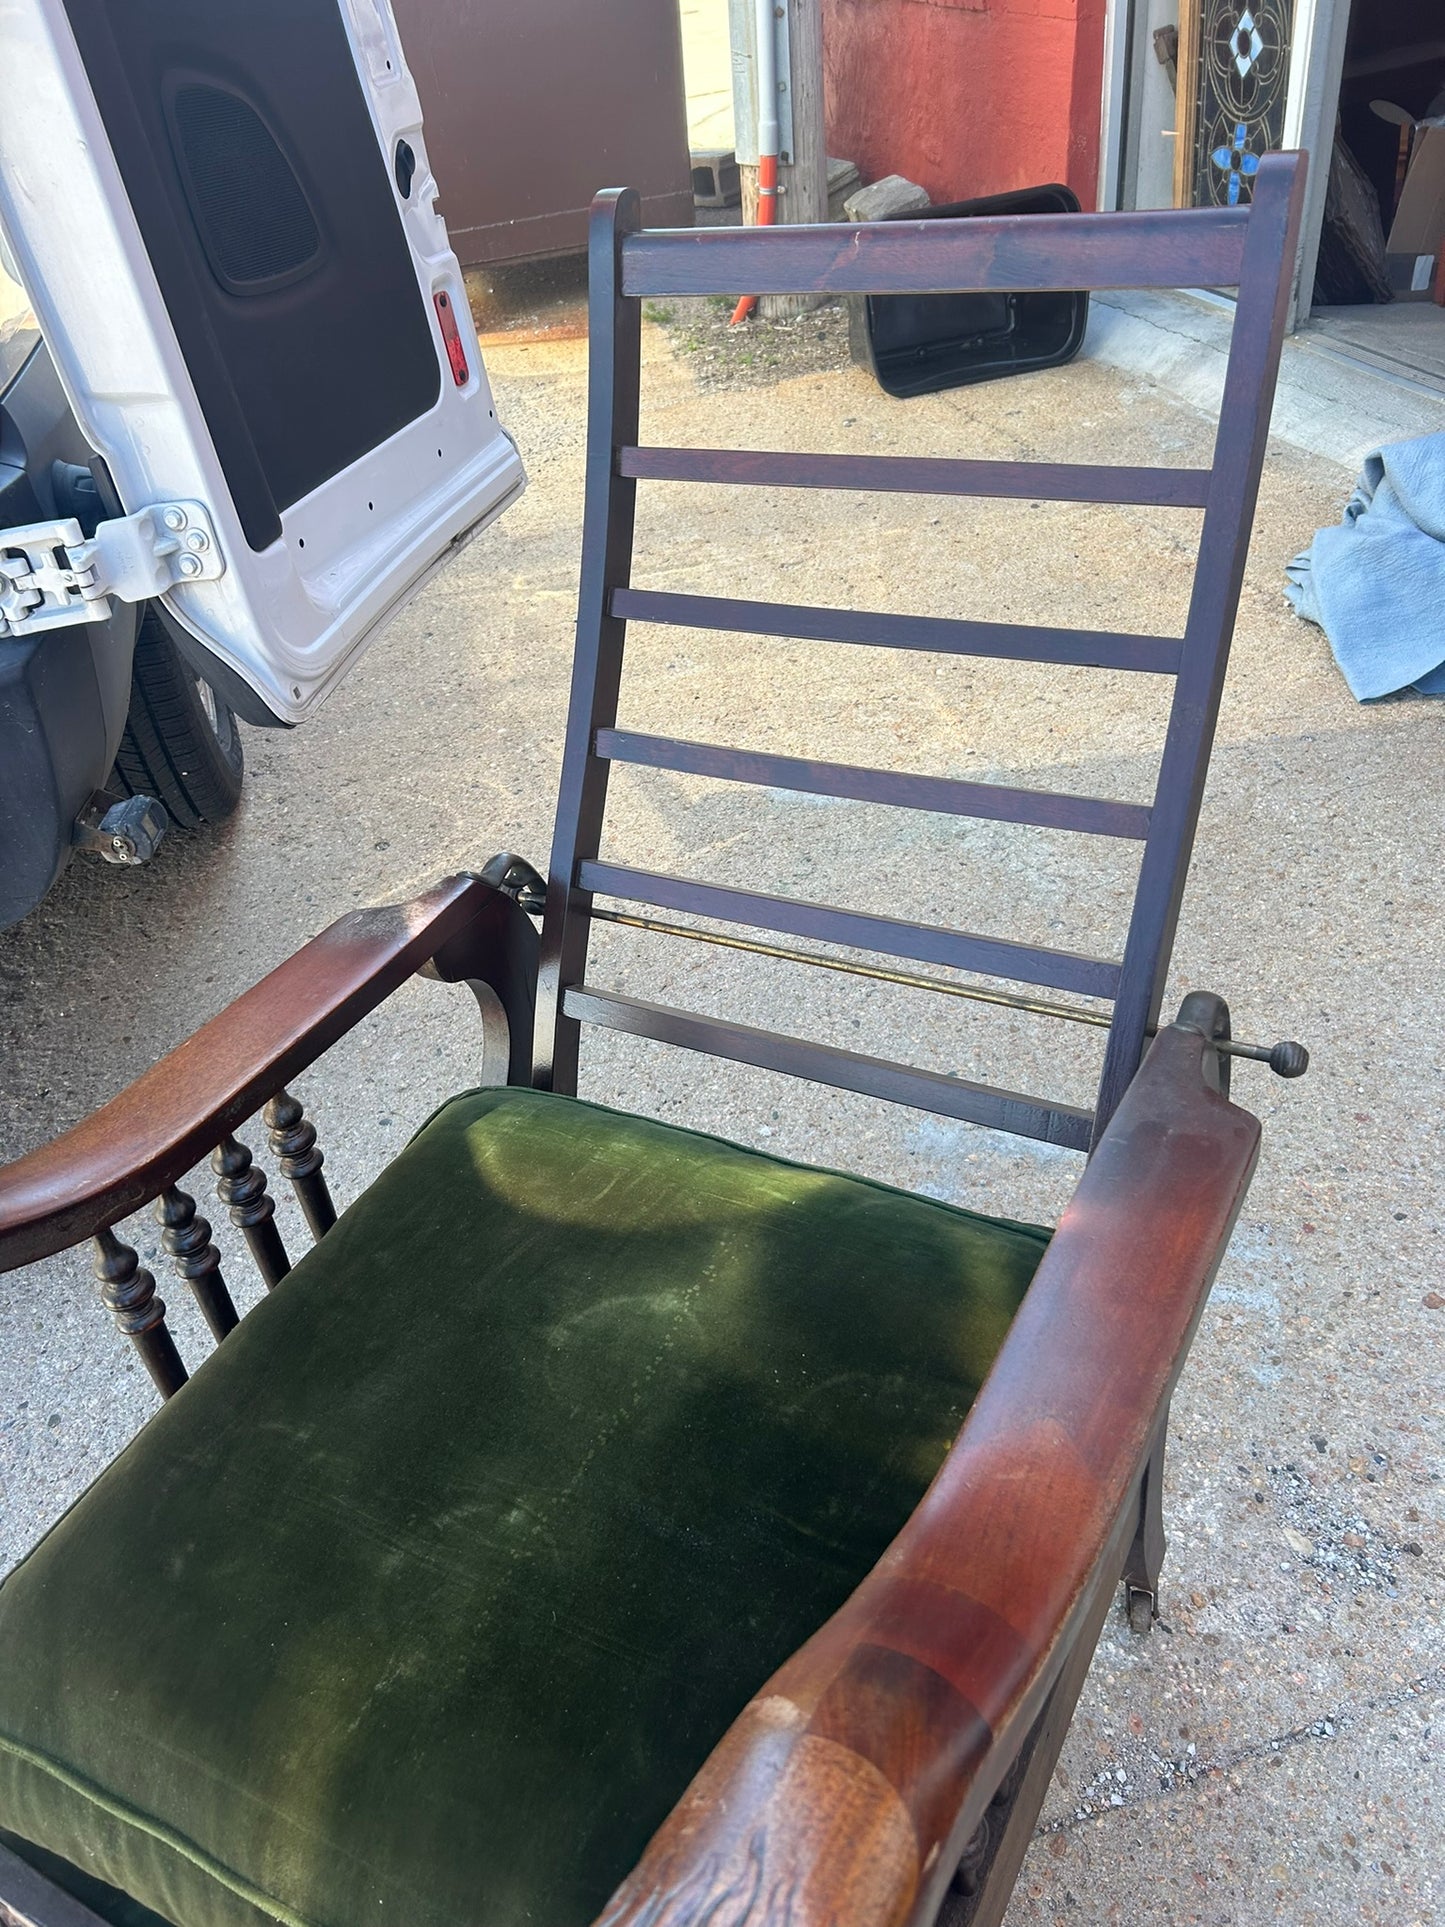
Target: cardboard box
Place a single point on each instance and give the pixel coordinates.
(1417, 233)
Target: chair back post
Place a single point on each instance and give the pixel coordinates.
(614, 369)
(1265, 284)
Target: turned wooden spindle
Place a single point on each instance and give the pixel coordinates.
(293, 1139)
(129, 1293)
(187, 1237)
(242, 1185)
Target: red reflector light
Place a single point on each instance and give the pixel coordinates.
(451, 339)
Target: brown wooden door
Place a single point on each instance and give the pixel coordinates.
(533, 105)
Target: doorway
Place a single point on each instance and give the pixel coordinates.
(1200, 88)
(1205, 95)
(1379, 283)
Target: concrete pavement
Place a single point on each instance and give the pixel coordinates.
(1273, 1751)
(707, 73)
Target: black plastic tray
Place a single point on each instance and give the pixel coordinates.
(916, 344)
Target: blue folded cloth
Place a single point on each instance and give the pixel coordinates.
(1376, 584)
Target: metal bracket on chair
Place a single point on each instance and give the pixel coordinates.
(53, 576)
(515, 877)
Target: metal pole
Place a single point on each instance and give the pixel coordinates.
(765, 58)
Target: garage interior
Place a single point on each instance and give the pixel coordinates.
(1363, 302)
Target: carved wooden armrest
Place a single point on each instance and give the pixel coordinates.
(144, 1139)
(848, 1789)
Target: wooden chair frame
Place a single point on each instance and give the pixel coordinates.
(894, 1767)
(1251, 249)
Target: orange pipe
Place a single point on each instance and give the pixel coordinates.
(767, 217)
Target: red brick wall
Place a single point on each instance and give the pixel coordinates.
(967, 96)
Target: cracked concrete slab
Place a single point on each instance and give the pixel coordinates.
(1242, 1833)
(1303, 1592)
(1330, 401)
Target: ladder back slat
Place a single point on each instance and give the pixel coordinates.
(944, 635)
(953, 796)
(1003, 1110)
(1178, 488)
(924, 943)
(1010, 254)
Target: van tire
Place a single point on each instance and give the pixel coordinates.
(182, 743)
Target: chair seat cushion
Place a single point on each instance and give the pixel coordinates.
(423, 1601)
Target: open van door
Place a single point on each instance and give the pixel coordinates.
(225, 220)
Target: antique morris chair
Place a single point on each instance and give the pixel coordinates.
(638, 1557)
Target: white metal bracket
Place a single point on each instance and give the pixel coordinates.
(52, 576)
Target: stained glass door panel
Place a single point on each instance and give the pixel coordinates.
(1233, 74)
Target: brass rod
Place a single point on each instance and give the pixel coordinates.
(1287, 1060)
(909, 979)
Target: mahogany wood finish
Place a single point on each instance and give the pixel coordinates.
(949, 795)
(30, 1900)
(848, 1789)
(1175, 488)
(146, 1138)
(1003, 1836)
(496, 958)
(926, 1090)
(1010, 641)
(292, 1137)
(924, 943)
(1013, 253)
(1251, 248)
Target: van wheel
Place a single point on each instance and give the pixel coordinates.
(182, 743)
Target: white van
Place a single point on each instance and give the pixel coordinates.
(224, 224)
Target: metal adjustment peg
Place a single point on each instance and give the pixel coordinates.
(1285, 1059)
(1289, 1059)
(125, 830)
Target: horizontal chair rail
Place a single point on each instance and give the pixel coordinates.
(944, 635)
(1061, 1124)
(1175, 488)
(953, 796)
(924, 943)
(1202, 248)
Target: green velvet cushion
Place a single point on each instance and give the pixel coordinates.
(423, 1601)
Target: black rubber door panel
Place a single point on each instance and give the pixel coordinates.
(271, 220)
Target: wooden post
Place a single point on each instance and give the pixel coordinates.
(803, 171)
(1186, 102)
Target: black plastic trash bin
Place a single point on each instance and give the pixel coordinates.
(916, 344)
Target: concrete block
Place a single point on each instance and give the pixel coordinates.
(885, 200)
(715, 178)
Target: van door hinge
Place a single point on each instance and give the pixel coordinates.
(52, 575)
